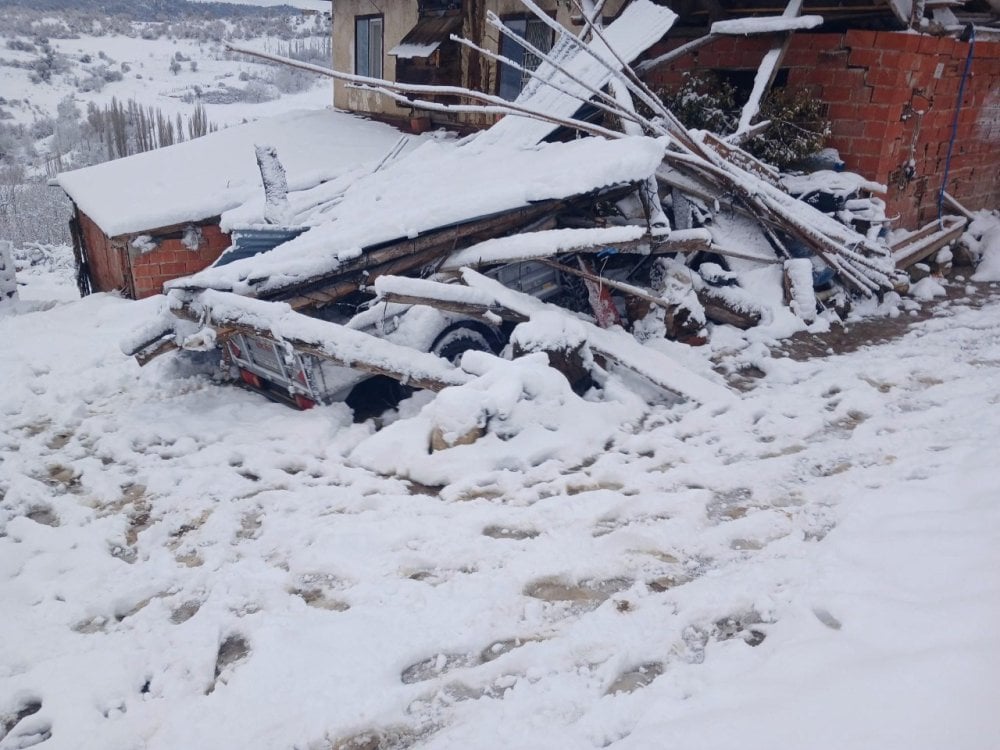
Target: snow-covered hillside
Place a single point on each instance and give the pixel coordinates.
(99, 68)
(317, 5)
(69, 79)
(183, 564)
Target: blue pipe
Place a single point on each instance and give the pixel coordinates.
(971, 31)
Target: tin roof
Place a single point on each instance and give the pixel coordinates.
(427, 36)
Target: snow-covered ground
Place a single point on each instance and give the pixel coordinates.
(149, 80)
(185, 565)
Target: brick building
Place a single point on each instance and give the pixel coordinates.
(141, 221)
(891, 98)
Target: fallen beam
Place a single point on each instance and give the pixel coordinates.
(614, 346)
(923, 244)
(449, 297)
(547, 244)
(785, 24)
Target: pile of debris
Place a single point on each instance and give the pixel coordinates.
(576, 248)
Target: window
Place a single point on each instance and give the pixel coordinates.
(536, 33)
(368, 46)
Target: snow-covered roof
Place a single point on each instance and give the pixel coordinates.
(206, 176)
(426, 36)
(408, 51)
(436, 185)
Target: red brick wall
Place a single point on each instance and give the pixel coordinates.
(877, 84)
(107, 264)
(117, 266)
(171, 259)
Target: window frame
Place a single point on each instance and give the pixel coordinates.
(507, 47)
(366, 23)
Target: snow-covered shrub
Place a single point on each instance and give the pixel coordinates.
(798, 128)
(291, 81)
(704, 101)
(19, 45)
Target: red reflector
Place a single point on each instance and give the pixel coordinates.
(304, 403)
(249, 378)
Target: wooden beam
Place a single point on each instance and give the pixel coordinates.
(482, 312)
(674, 54)
(629, 289)
(768, 70)
(959, 207)
(743, 159)
(910, 252)
(147, 355)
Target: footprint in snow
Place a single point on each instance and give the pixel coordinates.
(185, 611)
(388, 738)
(440, 664)
(636, 678)
(43, 515)
(232, 652)
(315, 589)
(587, 594)
(23, 730)
(497, 531)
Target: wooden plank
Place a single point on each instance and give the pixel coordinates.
(145, 356)
(680, 242)
(925, 231)
(768, 70)
(482, 312)
(743, 159)
(959, 207)
(628, 289)
(915, 252)
(674, 54)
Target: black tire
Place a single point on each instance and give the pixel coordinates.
(463, 336)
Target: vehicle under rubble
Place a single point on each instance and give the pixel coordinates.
(289, 375)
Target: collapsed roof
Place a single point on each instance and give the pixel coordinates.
(435, 186)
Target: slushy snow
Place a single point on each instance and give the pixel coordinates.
(184, 564)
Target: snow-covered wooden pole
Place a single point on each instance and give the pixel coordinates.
(272, 174)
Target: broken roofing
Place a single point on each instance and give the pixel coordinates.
(435, 186)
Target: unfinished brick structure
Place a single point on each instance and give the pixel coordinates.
(119, 263)
(891, 98)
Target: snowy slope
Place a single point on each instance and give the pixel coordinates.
(187, 565)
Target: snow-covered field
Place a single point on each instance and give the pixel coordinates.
(149, 80)
(185, 565)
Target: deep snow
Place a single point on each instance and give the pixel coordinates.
(183, 564)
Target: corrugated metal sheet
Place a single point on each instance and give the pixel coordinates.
(254, 241)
